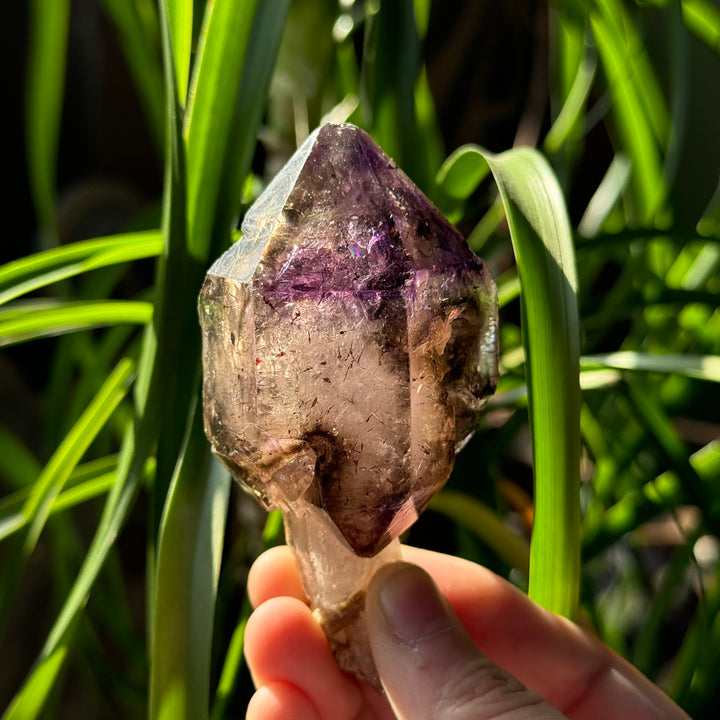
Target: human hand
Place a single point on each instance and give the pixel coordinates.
(439, 658)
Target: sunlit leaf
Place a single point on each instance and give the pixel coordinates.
(703, 367)
(46, 319)
(41, 269)
(542, 242)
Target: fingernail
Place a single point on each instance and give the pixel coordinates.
(411, 605)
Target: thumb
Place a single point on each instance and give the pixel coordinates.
(429, 666)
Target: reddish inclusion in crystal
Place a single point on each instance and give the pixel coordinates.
(387, 324)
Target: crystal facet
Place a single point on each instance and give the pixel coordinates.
(349, 344)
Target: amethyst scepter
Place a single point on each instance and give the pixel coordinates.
(350, 342)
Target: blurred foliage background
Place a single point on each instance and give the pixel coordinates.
(122, 186)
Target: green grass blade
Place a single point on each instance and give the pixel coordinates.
(152, 389)
(164, 334)
(709, 223)
(486, 226)
(35, 320)
(85, 482)
(180, 17)
(639, 136)
(679, 63)
(462, 172)
(29, 703)
(542, 242)
(422, 16)
(188, 567)
(41, 269)
(249, 103)
(606, 196)
(513, 394)
(12, 520)
(216, 77)
(703, 18)
(703, 367)
(55, 474)
(49, 22)
(138, 39)
(232, 665)
(623, 238)
(428, 129)
(26, 703)
(82, 473)
(641, 73)
(38, 263)
(60, 466)
(166, 378)
(570, 116)
(392, 41)
(569, 47)
(508, 289)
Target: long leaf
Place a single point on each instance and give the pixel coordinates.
(139, 44)
(180, 20)
(152, 390)
(41, 269)
(392, 41)
(56, 318)
(542, 242)
(188, 567)
(31, 699)
(703, 18)
(568, 119)
(249, 102)
(85, 482)
(234, 80)
(49, 22)
(216, 77)
(637, 115)
(38, 263)
(52, 479)
(66, 457)
(703, 367)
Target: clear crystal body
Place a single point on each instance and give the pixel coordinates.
(350, 341)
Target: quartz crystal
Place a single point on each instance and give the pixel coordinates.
(349, 343)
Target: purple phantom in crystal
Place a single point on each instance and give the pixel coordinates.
(350, 342)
